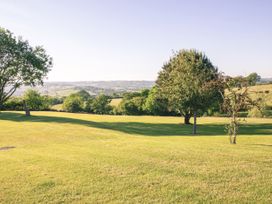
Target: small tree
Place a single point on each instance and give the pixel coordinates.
(236, 98)
(253, 78)
(20, 64)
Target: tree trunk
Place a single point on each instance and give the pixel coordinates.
(234, 130)
(234, 135)
(27, 112)
(187, 117)
(194, 127)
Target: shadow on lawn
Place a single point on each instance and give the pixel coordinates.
(140, 128)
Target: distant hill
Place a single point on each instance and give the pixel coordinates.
(93, 87)
(266, 80)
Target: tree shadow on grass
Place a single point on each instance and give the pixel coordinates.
(263, 145)
(141, 128)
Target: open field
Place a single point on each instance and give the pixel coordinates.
(264, 91)
(80, 158)
(115, 101)
(57, 107)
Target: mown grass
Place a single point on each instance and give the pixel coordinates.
(82, 158)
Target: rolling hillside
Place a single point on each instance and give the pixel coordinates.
(93, 87)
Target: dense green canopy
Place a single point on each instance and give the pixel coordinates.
(188, 81)
(20, 64)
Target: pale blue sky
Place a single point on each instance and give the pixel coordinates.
(131, 39)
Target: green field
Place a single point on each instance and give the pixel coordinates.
(81, 158)
(115, 101)
(263, 91)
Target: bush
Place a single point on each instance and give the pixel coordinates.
(101, 104)
(268, 113)
(133, 103)
(14, 103)
(73, 103)
(88, 106)
(155, 104)
(35, 101)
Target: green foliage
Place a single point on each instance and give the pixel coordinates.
(13, 103)
(21, 64)
(83, 94)
(56, 100)
(133, 103)
(155, 104)
(35, 101)
(101, 104)
(77, 102)
(188, 81)
(89, 105)
(253, 78)
(73, 103)
(82, 102)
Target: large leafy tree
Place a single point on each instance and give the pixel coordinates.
(20, 64)
(188, 81)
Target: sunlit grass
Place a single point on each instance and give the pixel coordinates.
(115, 101)
(57, 107)
(82, 158)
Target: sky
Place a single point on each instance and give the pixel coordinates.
(131, 39)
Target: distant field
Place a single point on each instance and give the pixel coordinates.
(115, 101)
(57, 107)
(262, 91)
(58, 157)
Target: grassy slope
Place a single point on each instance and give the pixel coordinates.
(62, 157)
(259, 91)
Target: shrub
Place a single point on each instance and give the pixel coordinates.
(101, 104)
(73, 103)
(35, 101)
(14, 103)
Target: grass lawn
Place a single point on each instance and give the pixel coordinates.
(80, 158)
